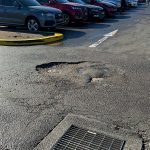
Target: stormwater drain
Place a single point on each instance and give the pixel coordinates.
(77, 132)
(82, 139)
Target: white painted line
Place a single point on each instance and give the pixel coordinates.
(106, 36)
(111, 33)
(99, 42)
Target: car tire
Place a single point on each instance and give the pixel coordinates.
(67, 19)
(104, 16)
(106, 13)
(32, 24)
(101, 19)
(11, 27)
(51, 28)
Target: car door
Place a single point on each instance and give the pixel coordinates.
(2, 11)
(14, 12)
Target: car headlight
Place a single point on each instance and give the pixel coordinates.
(47, 14)
(76, 8)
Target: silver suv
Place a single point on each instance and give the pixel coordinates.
(29, 13)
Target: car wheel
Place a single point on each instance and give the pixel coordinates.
(33, 24)
(101, 18)
(11, 27)
(66, 19)
(106, 13)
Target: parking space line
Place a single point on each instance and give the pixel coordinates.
(99, 42)
(106, 36)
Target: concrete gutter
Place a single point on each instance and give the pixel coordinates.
(133, 141)
(32, 41)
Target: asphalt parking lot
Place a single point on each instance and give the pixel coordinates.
(36, 94)
(87, 33)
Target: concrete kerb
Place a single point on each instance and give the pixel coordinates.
(32, 41)
(133, 141)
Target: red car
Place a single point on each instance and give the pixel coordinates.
(109, 8)
(73, 12)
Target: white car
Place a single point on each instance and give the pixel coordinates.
(117, 3)
(132, 3)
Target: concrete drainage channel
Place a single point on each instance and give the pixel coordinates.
(81, 72)
(76, 132)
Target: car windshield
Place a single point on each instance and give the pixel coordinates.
(62, 1)
(79, 1)
(29, 2)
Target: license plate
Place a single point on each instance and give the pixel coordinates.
(59, 20)
(96, 15)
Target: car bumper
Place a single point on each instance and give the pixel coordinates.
(111, 13)
(50, 21)
(79, 17)
(101, 15)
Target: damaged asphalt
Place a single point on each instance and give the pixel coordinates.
(33, 102)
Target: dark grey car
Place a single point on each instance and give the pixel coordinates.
(29, 13)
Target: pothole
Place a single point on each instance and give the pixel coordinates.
(80, 72)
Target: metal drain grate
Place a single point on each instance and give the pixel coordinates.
(81, 139)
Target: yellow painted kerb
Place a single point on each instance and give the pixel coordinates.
(32, 41)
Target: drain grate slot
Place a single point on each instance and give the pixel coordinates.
(81, 139)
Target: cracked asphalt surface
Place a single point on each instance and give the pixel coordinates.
(32, 103)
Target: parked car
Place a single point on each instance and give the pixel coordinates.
(141, 1)
(117, 3)
(29, 13)
(109, 8)
(94, 12)
(132, 3)
(73, 12)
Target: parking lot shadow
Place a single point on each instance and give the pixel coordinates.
(88, 25)
(123, 17)
(70, 34)
(136, 9)
(144, 14)
(111, 20)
